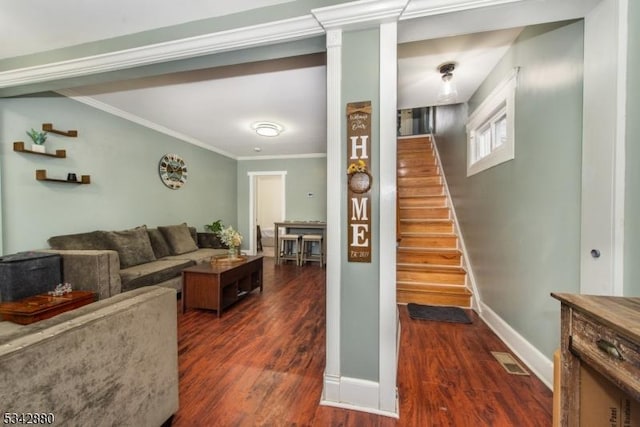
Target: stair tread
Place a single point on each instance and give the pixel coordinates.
(429, 250)
(432, 287)
(432, 268)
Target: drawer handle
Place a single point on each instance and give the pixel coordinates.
(609, 348)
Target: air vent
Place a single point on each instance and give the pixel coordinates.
(509, 363)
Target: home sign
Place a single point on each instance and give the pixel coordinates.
(359, 181)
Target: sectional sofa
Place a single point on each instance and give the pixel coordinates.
(111, 262)
(110, 363)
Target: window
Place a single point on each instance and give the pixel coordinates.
(490, 130)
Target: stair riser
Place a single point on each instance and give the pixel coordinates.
(413, 145)
(433, 299)
(428, 258)
(434, 201)
(416, 161)
(405, 182)
(432, 190)
(418, 171)
(426, 227)
(449, 242)
(431, 277)
(424, 213)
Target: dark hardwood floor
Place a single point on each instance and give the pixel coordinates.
(261, 364)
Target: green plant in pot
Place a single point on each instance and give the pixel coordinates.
(215, 227)
(38, 139)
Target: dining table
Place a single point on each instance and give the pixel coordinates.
(300, 227)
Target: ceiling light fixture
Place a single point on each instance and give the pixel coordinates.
(267, 128)
(448, 91)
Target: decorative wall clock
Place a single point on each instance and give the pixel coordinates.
(173, 171)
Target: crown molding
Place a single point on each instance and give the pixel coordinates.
(422, 8)
(92, 102)
(359, 14)
(238, 38)
(285, 156)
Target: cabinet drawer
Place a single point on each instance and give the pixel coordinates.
(613, 355)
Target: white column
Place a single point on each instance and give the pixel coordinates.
(388, 141)
(331, 392)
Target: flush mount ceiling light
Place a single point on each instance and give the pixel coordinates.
(267, 128)
(448, 91)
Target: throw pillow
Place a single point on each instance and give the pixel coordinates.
(179, 238)
(159, 244)
(133, 246)
(93, 240)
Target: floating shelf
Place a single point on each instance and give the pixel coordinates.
(41, 175)
(19, 147)
(48, 127)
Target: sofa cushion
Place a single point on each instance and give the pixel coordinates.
(152, 273)
(199, 256)
(93, 240)
(159, 244)
(179, 238)
(133, 246)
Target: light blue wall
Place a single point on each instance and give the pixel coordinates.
(359, 311)
(521, 219)
(632, 196)
(304, 175)
(122, 159)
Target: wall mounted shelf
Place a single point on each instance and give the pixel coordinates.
(48, 127)
(41, 175)
(19, 147)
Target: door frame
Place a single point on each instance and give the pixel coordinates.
(253, 175)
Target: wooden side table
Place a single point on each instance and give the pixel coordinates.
(43, 306)
(603, 333)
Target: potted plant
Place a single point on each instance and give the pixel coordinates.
(215, 227)
(38, 139)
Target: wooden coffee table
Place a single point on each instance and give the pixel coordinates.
(218, 284)
(43, 306)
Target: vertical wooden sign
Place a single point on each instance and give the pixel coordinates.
(359, 181)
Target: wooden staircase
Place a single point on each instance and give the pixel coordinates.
(429, 266)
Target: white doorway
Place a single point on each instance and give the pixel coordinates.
(267, 203)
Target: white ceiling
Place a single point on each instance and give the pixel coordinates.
(215, 108)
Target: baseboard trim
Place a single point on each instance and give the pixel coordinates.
(354, 394)
(541, 366)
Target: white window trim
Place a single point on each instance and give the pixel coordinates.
(504, 93)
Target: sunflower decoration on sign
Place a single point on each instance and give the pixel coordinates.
(359, 178)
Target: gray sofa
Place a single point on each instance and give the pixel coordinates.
(110, 363)
(111, 262)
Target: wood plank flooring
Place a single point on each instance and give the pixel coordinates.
(261, 364)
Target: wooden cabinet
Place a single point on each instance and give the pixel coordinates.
(603, 333)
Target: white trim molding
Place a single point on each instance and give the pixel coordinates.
(541, 366)
(353, 15)
(502, 97)
(252, 203)
(358, 395)
(237, 38)
(421, 8)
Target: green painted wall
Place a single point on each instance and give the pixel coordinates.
(304, 175)
(521, 219)
(632, 195)
(122, 159)
(359, 311)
